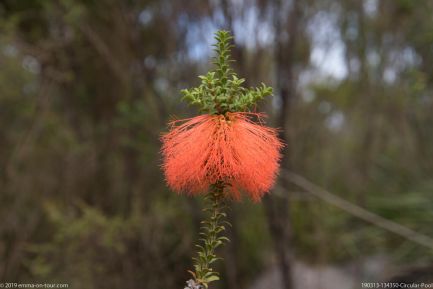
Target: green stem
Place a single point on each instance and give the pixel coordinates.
(210, 239)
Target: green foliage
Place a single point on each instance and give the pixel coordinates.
(82, 196)
(221, 90)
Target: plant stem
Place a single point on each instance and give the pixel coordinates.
(210, 239)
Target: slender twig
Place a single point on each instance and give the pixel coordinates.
(360, 212)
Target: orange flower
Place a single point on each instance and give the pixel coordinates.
(232, 149)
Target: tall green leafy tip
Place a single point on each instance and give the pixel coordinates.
(221, 90)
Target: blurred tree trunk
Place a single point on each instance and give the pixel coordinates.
(278, 214)
(360, 45)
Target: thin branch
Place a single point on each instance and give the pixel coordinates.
(358, 211)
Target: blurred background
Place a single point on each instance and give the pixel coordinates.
(87, 87)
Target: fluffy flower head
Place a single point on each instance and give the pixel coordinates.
(230, 149)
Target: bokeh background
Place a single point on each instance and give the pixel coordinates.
(87, 87)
